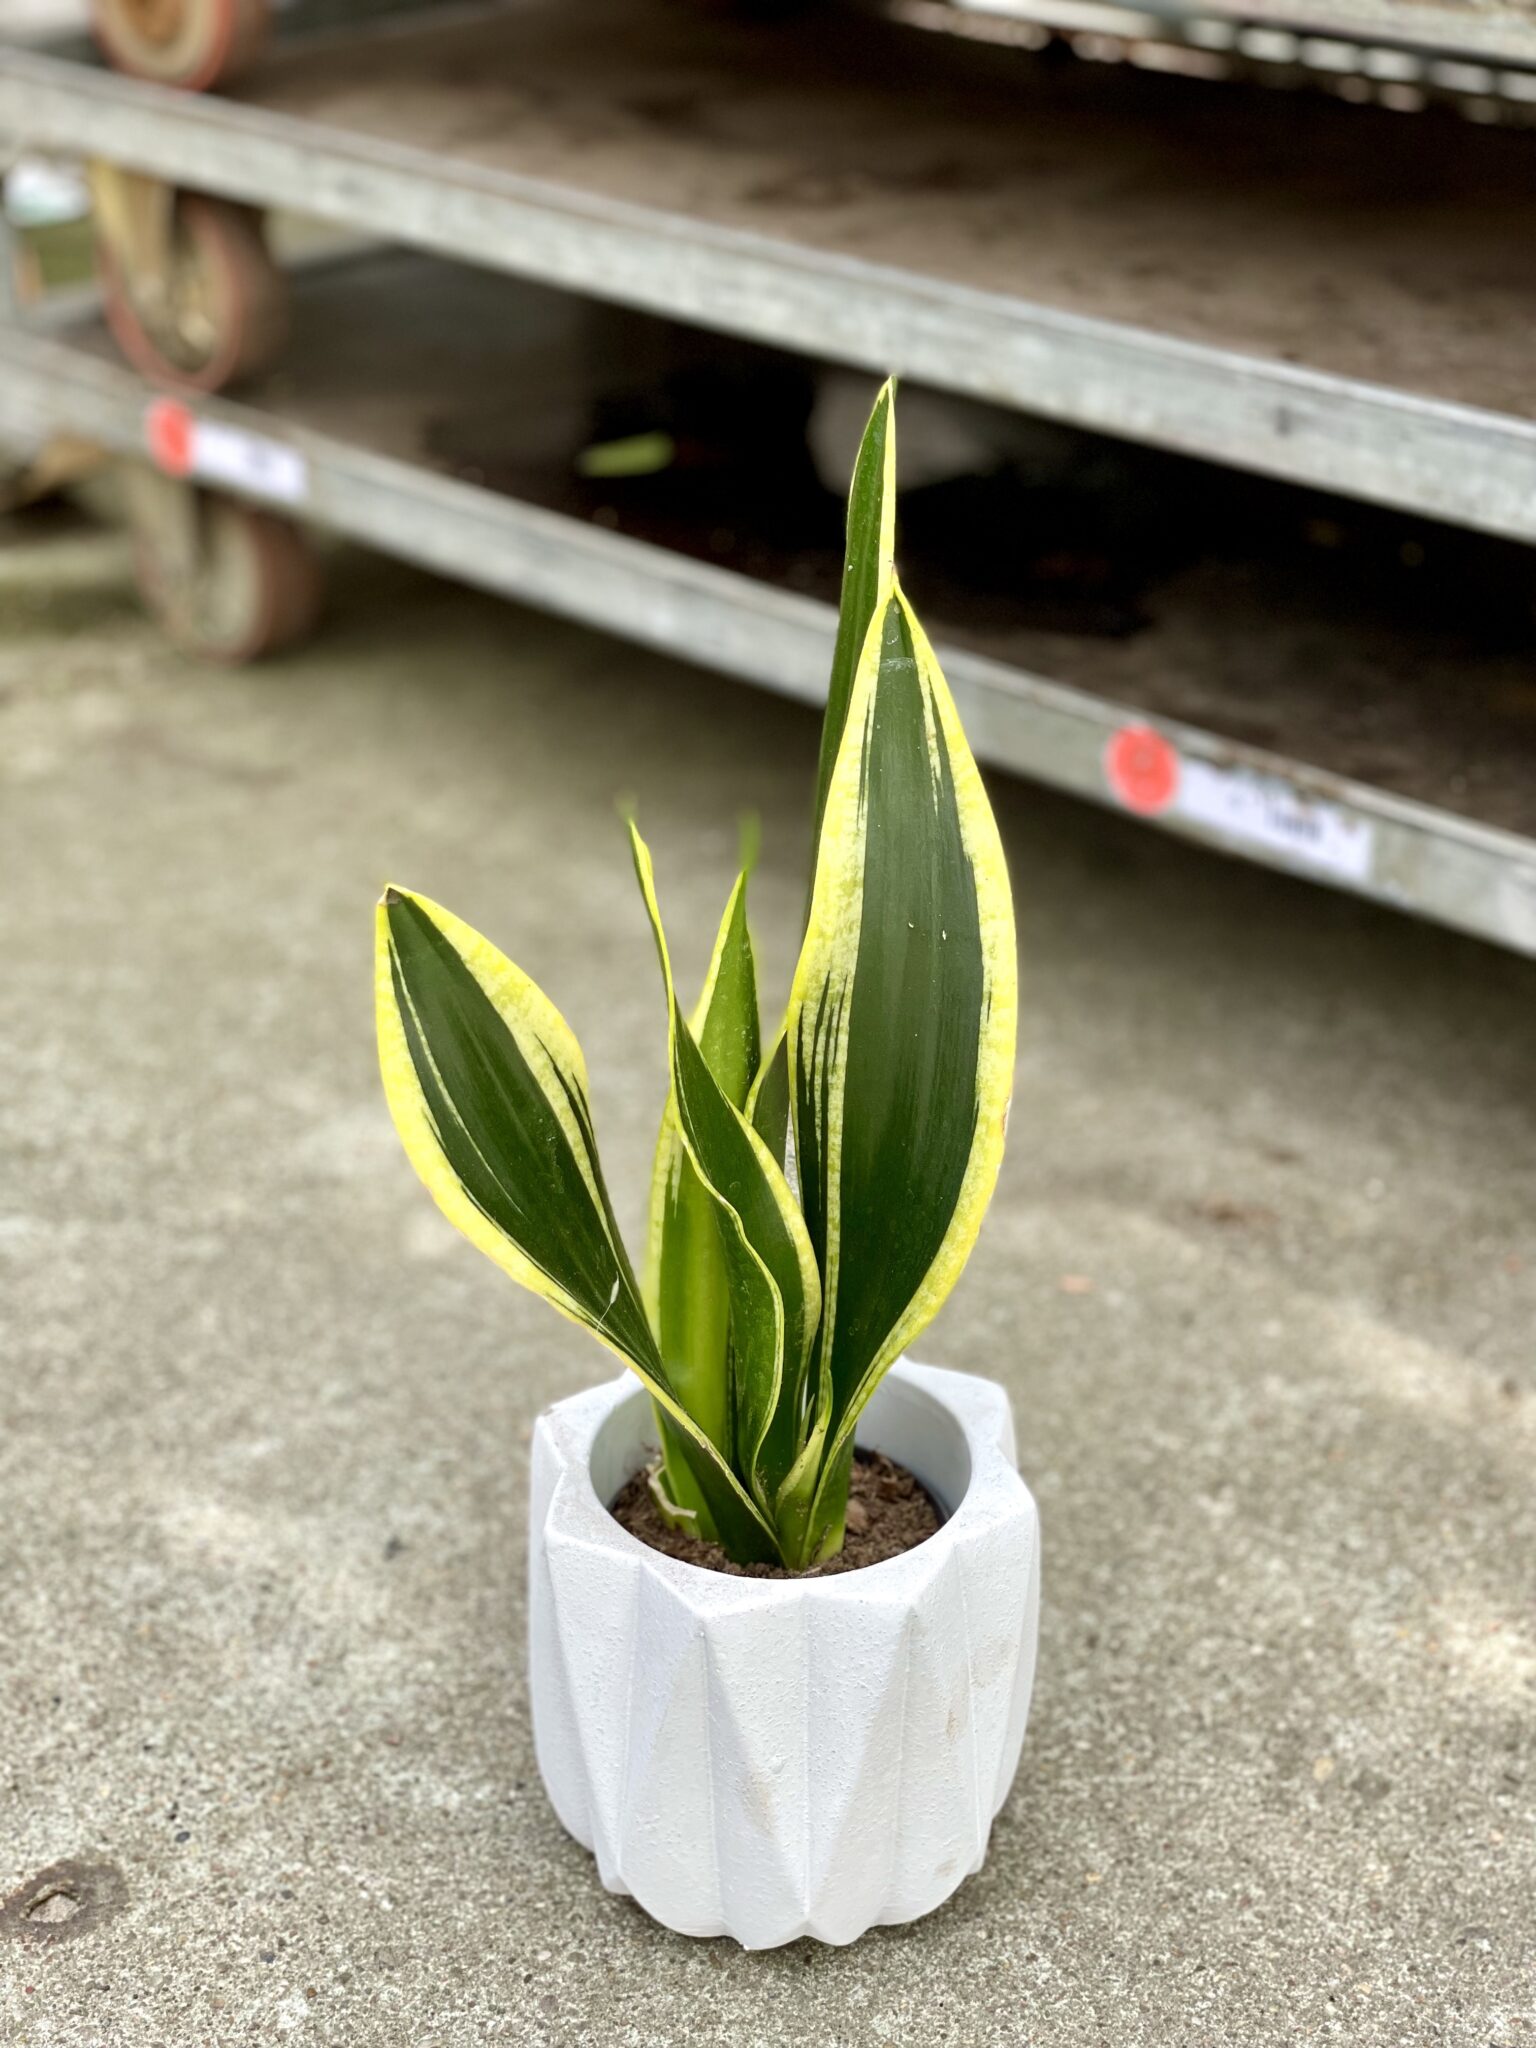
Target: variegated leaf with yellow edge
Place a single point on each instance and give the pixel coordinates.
(766, 1322)
(488, 1090)
(687, 1294)
(869, 559)
(775, 1295)
(900, 1028)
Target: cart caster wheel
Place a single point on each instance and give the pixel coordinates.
(195, 44)
(228, 583)
(217, 313)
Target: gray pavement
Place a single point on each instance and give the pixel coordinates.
(1260, 1277)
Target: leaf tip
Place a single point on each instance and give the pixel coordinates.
(749, 841)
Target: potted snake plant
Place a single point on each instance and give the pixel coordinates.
(762, 1720)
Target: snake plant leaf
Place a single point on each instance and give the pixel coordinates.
(686, 1292)
(488, 1091)
(868, 561)
(901, 1022)
(775, 1292)
(768, 1103)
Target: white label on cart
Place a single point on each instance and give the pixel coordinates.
(1266, 812)
(267, 469)
(183, 445)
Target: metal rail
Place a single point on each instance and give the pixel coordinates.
(1491, 35)
(1472, 467)
(1404, 55)
(1239, 799)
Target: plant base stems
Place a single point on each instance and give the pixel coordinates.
(681, 1488)
(831, 1519)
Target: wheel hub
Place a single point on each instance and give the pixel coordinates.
(156, 21)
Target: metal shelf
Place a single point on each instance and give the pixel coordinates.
(1360, 35)
(1332, 295)
(392, 347)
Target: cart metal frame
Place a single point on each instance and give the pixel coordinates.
(1471, 35)
(1452, 462)
(1423, 859)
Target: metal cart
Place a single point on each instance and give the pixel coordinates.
(1335, 299)
(1402, 53)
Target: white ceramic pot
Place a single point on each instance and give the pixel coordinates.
(770, 1758)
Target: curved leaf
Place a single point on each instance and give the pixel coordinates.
(775, 1294)
(768, 1103)
(686, 1292)
(901, 1020)
(868, 560)
(488, 1090)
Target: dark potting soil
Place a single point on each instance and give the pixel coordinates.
(889, 1511)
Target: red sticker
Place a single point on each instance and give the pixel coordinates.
(1142, 769)
(168, 430)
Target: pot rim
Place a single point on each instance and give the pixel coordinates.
(976, 1408)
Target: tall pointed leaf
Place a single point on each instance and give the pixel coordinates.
(901, 1021)
(686, 1291)
(488, 1091)
(868, 559)
(775, 1293)
(768, 1104)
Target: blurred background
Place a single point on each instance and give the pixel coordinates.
(422, 426)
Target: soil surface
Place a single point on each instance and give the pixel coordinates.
(889, 1511)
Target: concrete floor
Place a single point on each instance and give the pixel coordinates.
(1260, 1277)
